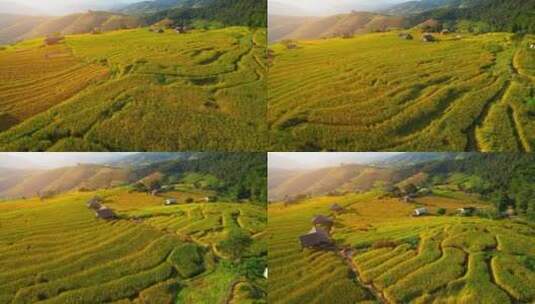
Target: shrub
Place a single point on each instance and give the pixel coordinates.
(441, 211)
(187, 260)
(384, 244)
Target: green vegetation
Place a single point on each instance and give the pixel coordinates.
(136, 90)
(379, 92)
(402, 259)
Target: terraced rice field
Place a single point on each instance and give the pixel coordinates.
(379, 92)
(56, 251)
(305, 276)
(431, 259)
(136, 90)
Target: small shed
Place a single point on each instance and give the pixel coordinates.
(170, 201)
(316, 238)
(424, 191)
(445, 32)
(419, 211)
(466, 210)
(532, 45)
(428, 37)
(405, 36)
(322, 220)
(105, 213)
(336, 208)
(94, 203)
(266, 273)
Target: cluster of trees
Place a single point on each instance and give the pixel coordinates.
(223, 12)
(507, 179)
(242, 176)
(487, 16)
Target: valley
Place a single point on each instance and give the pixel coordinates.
(385, 92)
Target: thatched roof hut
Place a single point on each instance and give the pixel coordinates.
(337, 208)
(105, 213)
(428, 37)
(94, 203)
(321, 220)
(316, 238)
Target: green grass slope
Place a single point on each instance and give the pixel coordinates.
(58, 252)
(399, 258)
(379, 92)
(204, 90)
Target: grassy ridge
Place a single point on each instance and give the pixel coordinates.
(379, 92)
(165, 92)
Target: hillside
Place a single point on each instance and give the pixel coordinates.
(90, 177)
(417, 7)
(147, 253)
(303, 28)
(20, 27)
(150, 7)
(218, 13)
(486, 16)
(136, 90)
(347, 178)
(379, 92)
(382, 254)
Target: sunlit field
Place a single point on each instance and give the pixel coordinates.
(57, 251)
(380, 92)
(136, 90)
(398, 258)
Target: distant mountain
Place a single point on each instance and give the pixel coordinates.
(347, 178)
(10, 161)
(15, 27)
(90, 177)
(417, 7)
(288, 27)
(415, 158)
(150, 7)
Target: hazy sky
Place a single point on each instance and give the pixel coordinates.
(325, 7)
(54, 160)
(69, 6)
(292, 160)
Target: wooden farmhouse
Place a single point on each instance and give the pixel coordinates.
(428, 37)
(94, 203)
(105, 213)
(322, 220)
(316, 238)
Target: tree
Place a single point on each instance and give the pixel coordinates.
(236, 244)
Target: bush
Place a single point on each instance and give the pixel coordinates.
(188, 260)
(441, 211)
(189, 200)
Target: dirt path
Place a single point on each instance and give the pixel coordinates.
(347, 256)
